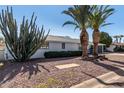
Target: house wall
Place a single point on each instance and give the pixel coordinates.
(57, 46)
(53, 46)
(111, 48)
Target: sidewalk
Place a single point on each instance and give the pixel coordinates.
(108, 80)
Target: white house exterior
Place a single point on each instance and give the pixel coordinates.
(55, 43)
(111, 48)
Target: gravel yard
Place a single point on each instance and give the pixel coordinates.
(43, 73)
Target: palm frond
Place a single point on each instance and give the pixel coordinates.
(99, 14)
(106, 24)
(79, 14)
(69, 23)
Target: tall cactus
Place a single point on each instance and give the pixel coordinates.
(24, 40)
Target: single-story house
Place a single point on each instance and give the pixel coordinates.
(59, 43)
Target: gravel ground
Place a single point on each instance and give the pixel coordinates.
(42, 72)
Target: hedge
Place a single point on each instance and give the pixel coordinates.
(118, 49)
(57, 54)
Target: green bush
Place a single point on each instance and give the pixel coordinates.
(118, 49)
(56, 54)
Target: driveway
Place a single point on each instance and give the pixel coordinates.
(118, 83)
(113, 79)
(115, 56)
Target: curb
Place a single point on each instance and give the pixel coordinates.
(95, 83)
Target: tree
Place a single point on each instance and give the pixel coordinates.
(120, 37)
(79, 14)
(105, 38)
(22, 43)
(116, 38)
(97, 18)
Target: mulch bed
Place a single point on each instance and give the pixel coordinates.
(42, 72)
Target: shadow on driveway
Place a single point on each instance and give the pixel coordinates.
(115, 69)
(118, 84)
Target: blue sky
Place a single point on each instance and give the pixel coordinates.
(52, 18)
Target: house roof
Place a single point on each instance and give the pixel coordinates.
(118, 44)
(65, 39)
(62, 39)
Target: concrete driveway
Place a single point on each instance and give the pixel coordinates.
(109, 80)
(115, 56)
(118, 83)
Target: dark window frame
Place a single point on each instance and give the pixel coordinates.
(63, 45)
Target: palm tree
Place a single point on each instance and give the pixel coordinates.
(120, 37)
(97, 18)
(79, 13)
(116, 38)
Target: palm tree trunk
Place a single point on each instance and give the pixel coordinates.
(120, 39)
(84, 38)
(96, 39)
(117, 40)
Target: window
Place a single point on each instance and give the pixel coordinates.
(63, 45)
(45, 45)
(104, 48)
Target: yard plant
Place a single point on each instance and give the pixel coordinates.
(86, 16)
(56, 54)
(24, 40)
(79, 14)
(97, 19)
(105, 38)
(118, 38)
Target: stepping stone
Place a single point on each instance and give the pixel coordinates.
(67, 66)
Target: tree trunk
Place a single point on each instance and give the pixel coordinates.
(120, 39)
(96, 39)
(117, 40)
(84, 38)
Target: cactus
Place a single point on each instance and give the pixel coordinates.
(24, 40)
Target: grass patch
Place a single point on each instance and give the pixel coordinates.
(51, 82)
(42, 86)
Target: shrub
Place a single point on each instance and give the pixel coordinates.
(56, 54)
(51, 82)
(105, 38)
(118, 49)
